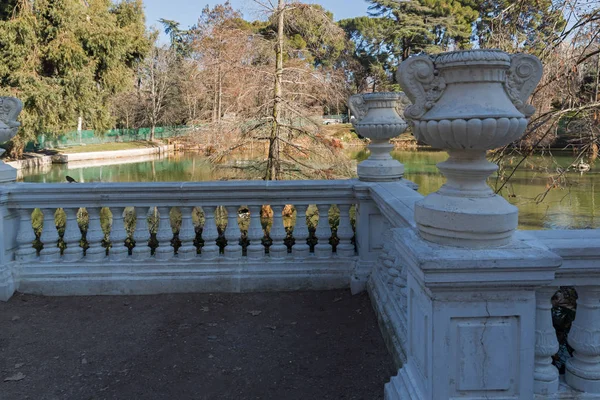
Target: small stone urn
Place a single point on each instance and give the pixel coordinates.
(468, 102)
(10, 108)
(376, 117)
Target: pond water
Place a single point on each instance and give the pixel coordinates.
(568, 204)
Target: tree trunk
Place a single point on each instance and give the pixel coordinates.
(220, 94)
(273, 163)
(152, 129)
(215, 98)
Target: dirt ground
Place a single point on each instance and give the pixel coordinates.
(298, 345)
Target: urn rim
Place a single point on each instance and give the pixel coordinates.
(379, 96)
(471, 58)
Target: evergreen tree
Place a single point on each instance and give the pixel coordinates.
(68, 59)
(425, 25)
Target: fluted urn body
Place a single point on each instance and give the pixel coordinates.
(376, 117)
(468, 102)
(10, 108)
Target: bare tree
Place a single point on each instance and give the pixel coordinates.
(157, 78)
(567, 99)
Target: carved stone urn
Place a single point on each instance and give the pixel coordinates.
(10, 108)
(468, 102)
(376, 117)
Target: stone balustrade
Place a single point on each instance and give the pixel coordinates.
(119, 238)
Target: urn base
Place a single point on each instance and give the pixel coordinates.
(471, 222)
(380, 170)
(380, 166)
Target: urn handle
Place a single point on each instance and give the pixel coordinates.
(10, 107)
(420, 81)
(524, 74)
(358, 106)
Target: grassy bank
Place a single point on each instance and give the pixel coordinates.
(90, 148)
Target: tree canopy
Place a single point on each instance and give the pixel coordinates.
(68, 59)
(95, 60)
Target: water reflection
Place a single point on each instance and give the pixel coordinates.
(570, 205)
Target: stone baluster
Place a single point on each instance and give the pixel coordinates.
(323, 232)
(187, 234)
(118, 234)
(301, 249)
(25, 237)
(583, 369)
(255, 234)
(232, 233)
(164, 251)
(94, 236)
(345, 247)
(141, 234)
(210, 234)
(278, 248)
(50, 237)
(545, 374)
(72, 236)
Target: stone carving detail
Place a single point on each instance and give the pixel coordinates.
(422, 85)
(10, 108)
(387, 260)
(521, 79)
(402, 104)
(358, 107)
(393, 272)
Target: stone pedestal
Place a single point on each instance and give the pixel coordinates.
(474, 310)
(8, 174)
(468, 102)
(7, 283)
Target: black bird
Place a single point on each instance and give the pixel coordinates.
(70, 180)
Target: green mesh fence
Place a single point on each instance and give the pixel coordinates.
(116, 135)
(342, 118)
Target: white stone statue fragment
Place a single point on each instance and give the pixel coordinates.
(10, 107)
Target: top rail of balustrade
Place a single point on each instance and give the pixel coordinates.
(33, 195)
(579, 249)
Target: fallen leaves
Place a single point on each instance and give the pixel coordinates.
(254, 313)
(15, 378)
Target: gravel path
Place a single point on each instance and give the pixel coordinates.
(297, 345)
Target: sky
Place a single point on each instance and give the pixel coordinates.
(186, 12)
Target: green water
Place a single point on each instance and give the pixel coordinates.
(571, 204)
